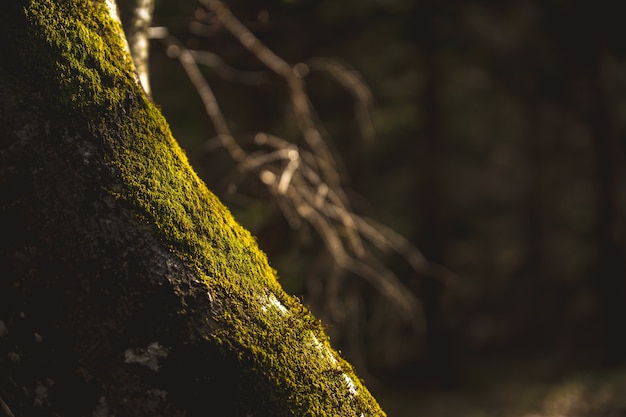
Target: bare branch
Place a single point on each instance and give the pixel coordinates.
(304, 180)
(215, 62)
(293, 76)
(224, 136)
(5, 408)
(351, 81)
(247, 39)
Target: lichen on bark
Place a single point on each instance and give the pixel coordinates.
(122, 248)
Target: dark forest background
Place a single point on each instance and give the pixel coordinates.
(499, 153)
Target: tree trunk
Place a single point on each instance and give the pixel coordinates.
(126, 287)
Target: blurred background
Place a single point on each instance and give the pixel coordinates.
(497, 151)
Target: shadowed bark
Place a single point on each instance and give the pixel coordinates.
(126, 287)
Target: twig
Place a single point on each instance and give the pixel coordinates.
(216, 62)
(352, 81)
(6, 408)
(293, 76)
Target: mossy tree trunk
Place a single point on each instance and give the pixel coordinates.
(126, 287)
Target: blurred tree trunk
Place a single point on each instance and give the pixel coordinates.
(430, 141)
(429, 194)
(611, 269)
(586, 38)
(126, 287)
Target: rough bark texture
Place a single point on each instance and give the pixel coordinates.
(126, 287)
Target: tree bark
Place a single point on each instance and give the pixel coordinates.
(136, 17)
(126, 287)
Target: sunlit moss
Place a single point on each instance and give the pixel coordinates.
(83, 69)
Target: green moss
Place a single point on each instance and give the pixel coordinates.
(86, 67)
(84, 72)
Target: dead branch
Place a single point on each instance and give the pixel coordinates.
(352, 82)
(305, 182)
